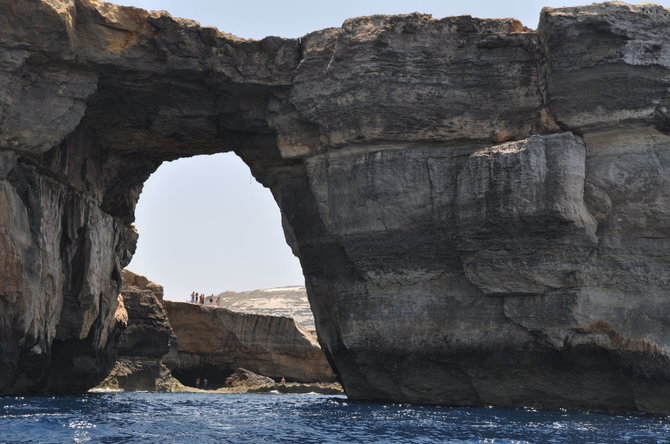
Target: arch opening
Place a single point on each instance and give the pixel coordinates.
(206, 225)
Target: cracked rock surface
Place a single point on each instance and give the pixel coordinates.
(482, 211)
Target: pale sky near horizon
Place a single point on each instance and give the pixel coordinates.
(204, 224)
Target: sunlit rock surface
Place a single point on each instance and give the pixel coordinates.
(213, 342)
(291, 302)
(482, 211)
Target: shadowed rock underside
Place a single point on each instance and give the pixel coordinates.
(482, 211)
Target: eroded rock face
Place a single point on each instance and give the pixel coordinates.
(481, 211)
(145, 341)
(213, 342)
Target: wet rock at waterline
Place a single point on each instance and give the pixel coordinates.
(249, 382)
(481, 210)
(213, 342)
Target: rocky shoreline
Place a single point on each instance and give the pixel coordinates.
(168, 384)
(167, 346)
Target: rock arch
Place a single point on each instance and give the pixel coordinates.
(454, 189)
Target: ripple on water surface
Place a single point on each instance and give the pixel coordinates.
(225, 418)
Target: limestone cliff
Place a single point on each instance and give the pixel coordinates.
(213, 342)
(148, 333)
(481, 210)
(145, 341)
(290, 302)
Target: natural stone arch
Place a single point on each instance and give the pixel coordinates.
(119, 91)
(452, 188)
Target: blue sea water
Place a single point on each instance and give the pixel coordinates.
(226, 418)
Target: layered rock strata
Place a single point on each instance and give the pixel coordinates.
(213, 342)
(291, 302)
(481, 210)
(145, 341)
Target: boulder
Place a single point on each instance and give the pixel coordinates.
(244, 378)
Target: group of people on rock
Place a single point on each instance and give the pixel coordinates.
(205, 382)
(198, 298)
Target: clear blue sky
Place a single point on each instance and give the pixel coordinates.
(294, 18)
(204, 225)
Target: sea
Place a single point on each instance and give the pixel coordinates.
(307, 418)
